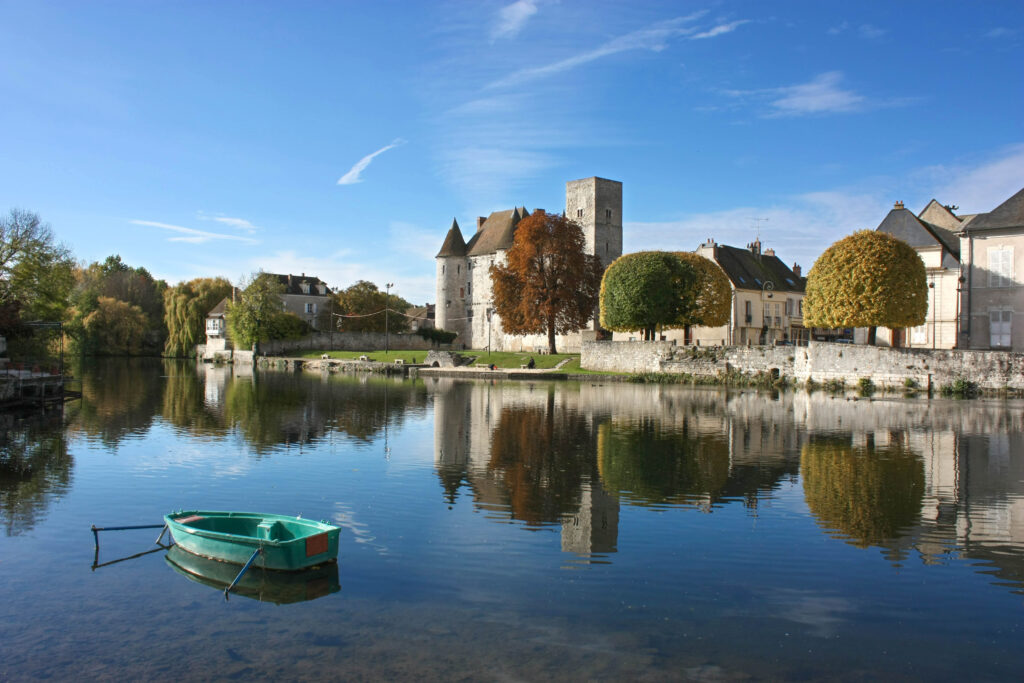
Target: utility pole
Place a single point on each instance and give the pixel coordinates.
(387, 297)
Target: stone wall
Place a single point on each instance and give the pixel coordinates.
(347, 341)
(819, 361)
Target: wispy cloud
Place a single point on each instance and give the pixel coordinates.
(823, 94)
(721, 29)
(512, 18)
(353, 174)
(982, 187)
(1000, 32)
(193, 236)
(237, 223)
(868, 31)
(654, 38)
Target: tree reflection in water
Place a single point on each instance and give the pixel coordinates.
(540, 458)
(869, 495)
(120, 397)
(35, 468)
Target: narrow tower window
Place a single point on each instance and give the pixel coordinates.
(608, 214)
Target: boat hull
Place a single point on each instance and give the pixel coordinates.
(286, 543)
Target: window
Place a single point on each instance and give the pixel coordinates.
(608, 214)
(458, 269)
(747, 309)
(305, 287)
(789, 307)
(442, 270)
(919, 334)
(1000, 266)
(579, 213)
(310, 308)
(448, 303)
(800, 307)
(469, 288)
(462, 291)
(767, 311)
(999, 327)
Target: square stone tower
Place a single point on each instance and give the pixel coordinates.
(596, 205)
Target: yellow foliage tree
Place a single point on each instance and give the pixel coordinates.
(712, 292)
(865, 280)
(118, 327)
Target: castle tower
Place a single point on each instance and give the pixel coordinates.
(596, 205)
(452, 265)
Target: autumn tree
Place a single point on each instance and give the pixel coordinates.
(648, 290)
(711, 292)
(35, 271)
(113, 279)
(117, 327)
(185, 308)
(548, 284)
(867, 279)
(363, 308)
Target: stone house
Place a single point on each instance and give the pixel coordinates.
(992, 295)
(767, 299)
(218, 340)
(933, 235)
(465, 301)
(305, 296)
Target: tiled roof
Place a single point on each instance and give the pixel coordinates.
(748, 270)
(453, 245)
(1009, 214)
(904, 225)
(496, 233)
(293, 284)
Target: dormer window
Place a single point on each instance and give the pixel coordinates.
(323, 289)
(305, 287)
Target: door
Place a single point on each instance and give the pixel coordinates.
(999, 328)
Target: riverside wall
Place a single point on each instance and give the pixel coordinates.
(819, 361)
(216, 349)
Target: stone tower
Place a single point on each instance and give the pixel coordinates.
(452, 266)
(596, 204)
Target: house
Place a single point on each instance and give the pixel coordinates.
(305, 296)
(933, 235)
(767, 298)
(420, 317)
(992, 265)
(217, 338)
(465, 301)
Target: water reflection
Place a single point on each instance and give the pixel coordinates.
(868, 494)
(264, 585)
(35, 468)
(120, 398)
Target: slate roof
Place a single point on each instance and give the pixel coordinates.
(453, 245)
(904, 225)
(496, 233)
(291, 284)
(220, 309)
(1009, 214)
(748, 270)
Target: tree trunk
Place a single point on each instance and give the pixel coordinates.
(551, 336)
(871, 335)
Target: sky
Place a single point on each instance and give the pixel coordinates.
(340, 139)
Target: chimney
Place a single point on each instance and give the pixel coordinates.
(289, 279)
(480, 222)
(769, 252)
(898, 205)
(755, 247)
(796, 269)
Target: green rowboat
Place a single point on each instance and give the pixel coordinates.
(285, 543)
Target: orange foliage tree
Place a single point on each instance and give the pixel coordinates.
(548, 284)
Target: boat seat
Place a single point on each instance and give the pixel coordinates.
(269, 531)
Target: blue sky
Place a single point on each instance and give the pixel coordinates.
(340, 139)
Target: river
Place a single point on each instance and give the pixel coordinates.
(516, 531)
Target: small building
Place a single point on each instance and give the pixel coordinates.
(933, 235)
(420, 317)
(767, 299)
(992, 295)
(217, 338)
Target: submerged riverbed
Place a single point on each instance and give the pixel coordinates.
(517, 531)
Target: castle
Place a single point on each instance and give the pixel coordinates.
(465, 302)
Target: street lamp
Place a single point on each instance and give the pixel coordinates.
(387, 296)
(766, 289)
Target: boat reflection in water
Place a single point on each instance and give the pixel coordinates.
(280, 588)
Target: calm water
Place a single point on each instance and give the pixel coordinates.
(517, 531)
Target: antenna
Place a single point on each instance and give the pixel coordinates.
(757, 226)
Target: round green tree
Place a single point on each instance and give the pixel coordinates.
(865, 280)
(647, 290)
